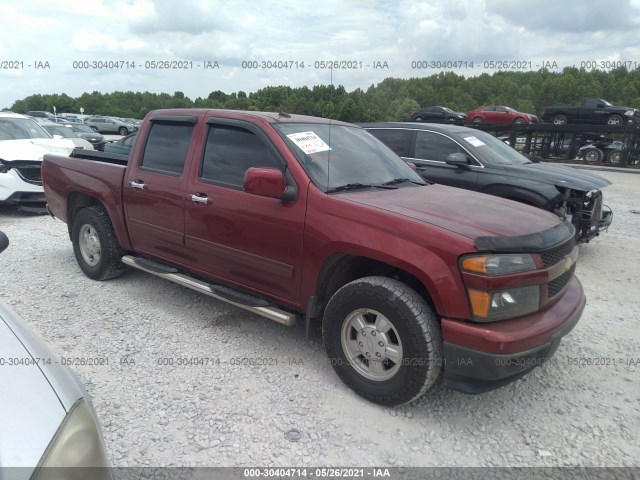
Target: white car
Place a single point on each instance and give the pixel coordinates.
(48, 426)
(57, 130)
(23, 143)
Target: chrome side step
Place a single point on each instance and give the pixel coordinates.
(269, 312)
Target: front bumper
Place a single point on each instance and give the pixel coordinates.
(15, 190)
(482, 357)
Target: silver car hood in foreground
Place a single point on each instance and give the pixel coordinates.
(34, 396)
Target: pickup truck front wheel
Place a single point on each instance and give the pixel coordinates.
(95, 244)
(383, 340)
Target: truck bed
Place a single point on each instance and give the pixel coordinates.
(84, 176)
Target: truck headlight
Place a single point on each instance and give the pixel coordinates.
(630, 113)
(77, 443)
(498, 264)
(503, 304)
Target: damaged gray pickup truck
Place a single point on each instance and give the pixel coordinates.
(471, 159)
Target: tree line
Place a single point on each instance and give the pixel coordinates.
(390, 100)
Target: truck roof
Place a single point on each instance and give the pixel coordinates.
(271, 117)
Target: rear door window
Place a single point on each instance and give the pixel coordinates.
(167, 147)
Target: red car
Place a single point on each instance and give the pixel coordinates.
(499, 114)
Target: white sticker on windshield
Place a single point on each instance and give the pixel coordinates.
(474, 141)
(309, 142)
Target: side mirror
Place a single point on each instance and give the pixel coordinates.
(4, 241)
(412, 165)
(458, 159)
(267, 182)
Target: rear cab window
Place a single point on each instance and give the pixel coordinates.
(167, 145)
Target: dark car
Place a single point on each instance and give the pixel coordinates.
(88, 134)
(475, 160)
(437, 114)
(122, 146)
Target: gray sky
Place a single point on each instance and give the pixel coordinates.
(69, 35)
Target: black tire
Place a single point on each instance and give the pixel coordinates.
(105, 262)
(123, 131)
(519, 120)
(614, 156)
(477, 120)
(560, 120)
(592, 155)
(614, 120)
(95, 129)
(415, 334)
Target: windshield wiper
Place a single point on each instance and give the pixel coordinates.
(401, 180)
(356, 186)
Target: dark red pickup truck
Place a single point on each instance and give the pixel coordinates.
(292, 217)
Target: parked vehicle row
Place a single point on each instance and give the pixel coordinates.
(291, 216)
(593, 111)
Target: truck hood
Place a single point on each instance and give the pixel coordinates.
(34, 148)
(558, 175)
(464, 212)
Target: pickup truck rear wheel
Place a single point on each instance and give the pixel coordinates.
(383, 340)
(95, 244)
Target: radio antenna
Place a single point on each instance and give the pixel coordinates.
(330, 120)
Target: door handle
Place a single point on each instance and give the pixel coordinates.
(199, 199)
(137, 184)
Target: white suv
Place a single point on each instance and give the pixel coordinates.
(23, 143)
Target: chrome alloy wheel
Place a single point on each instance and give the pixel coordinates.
(89, 245)
(371, 344)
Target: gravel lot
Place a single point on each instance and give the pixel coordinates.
(572, 411)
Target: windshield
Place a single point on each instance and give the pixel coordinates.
(492, 150)
(81, 129)
(20, 129)
(335, 156)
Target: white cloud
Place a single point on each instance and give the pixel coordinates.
(230, 31)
